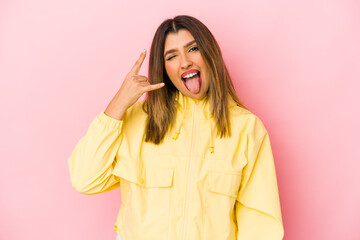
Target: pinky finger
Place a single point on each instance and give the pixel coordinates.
(155, 86)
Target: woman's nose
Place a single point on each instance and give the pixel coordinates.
(185, 62)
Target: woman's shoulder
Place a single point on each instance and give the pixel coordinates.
(236, 109)
(245, 118)
(136, 111)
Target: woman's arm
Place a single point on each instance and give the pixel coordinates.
(93, 159)
(258, 211)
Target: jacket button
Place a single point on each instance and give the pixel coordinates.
(116, 228)
(141, 180)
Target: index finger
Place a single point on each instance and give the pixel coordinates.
(135, 69)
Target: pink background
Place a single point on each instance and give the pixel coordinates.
(296, 64)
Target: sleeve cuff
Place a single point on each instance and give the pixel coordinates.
(109, 121)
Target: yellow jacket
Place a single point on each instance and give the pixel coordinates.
(193, 186)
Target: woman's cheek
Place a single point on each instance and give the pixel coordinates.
(171, 70)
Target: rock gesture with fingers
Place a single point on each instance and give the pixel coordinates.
(133, 87)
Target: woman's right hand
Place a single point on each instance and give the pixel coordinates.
(133, 87)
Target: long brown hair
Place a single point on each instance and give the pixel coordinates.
(160, 104)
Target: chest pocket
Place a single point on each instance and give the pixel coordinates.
(224, 183)
(220, 196)
(146, 200)
(156, 177)
(146, 176)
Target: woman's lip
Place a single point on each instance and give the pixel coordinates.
(183, 79)
(188, 72)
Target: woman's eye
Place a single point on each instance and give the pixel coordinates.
(190, 50)
(170, 57)
(193, 49)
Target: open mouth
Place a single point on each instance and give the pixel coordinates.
(192, 81)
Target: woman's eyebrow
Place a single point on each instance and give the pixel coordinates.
(174, 50)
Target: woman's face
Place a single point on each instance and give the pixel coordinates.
(184, 64)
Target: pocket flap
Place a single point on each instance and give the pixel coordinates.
(224, 183)
(157, 177)
(150, 176)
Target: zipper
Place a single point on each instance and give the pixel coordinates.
(194, 130)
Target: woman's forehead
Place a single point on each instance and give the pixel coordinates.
(177, 40)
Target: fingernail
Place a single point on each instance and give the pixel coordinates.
(144, 50)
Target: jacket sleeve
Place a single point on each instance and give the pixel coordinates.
(258, 211)
(93, 158)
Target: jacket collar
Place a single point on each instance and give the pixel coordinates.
(184, 103)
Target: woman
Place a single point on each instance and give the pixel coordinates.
(191, 161)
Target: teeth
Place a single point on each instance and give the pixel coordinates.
(190, 75)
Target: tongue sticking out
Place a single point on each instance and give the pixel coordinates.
(193, 84)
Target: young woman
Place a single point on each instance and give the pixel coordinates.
(191, 161)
